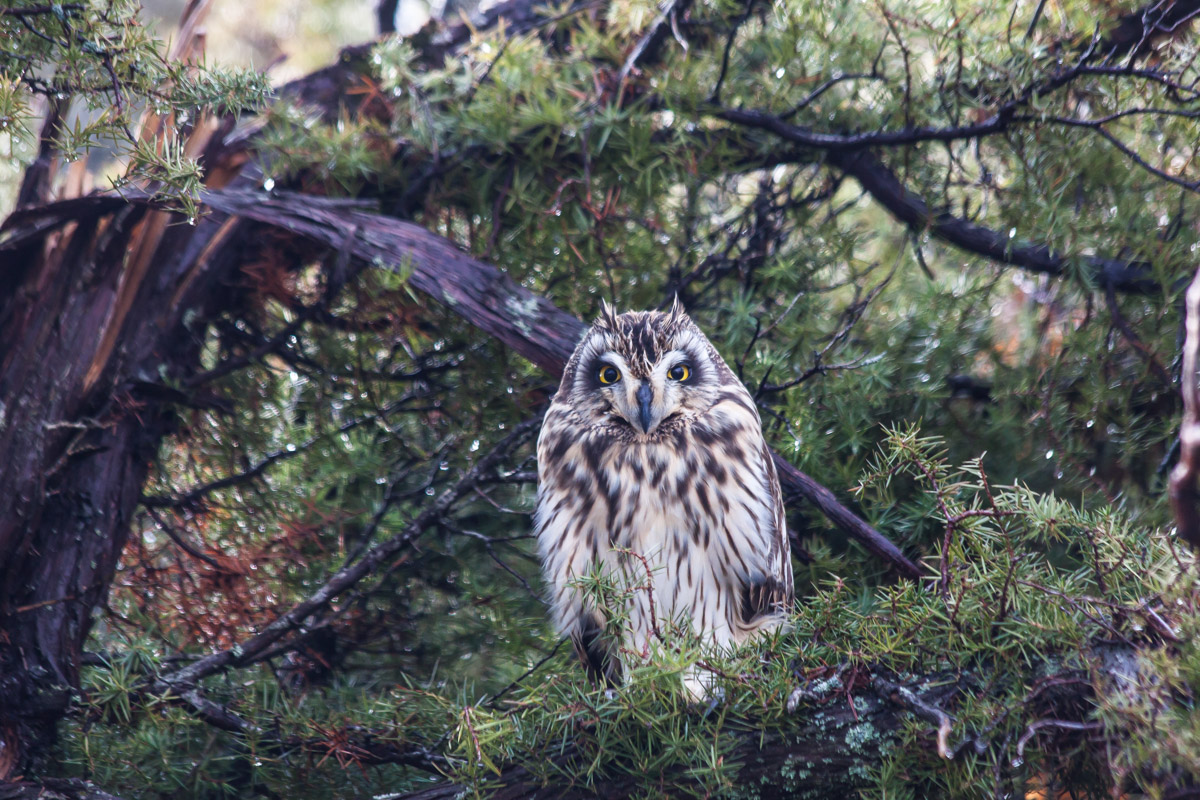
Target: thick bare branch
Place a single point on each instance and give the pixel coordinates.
(482, 294)
(831, 743)
(882, 184)
(54, 789)
(525, 322)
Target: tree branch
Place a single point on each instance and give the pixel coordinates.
(829, 759)
(185, 679)
(646, 49)
(849, 152)
(839, 740)
(491, 301)
(483, 295)
(882, 184)
(53, 789)
(1136, 32)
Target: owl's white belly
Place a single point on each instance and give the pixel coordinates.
(669, 536)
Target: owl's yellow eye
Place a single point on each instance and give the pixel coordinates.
(609, 374)
(680, 372)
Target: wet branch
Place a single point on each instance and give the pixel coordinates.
(483, 295)
(490, 300)
(1134, 277)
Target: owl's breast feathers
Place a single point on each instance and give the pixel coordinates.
(699, 501)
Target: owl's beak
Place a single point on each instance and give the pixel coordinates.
(644, 412)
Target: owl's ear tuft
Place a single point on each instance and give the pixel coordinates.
(676, 315)
(608, 316)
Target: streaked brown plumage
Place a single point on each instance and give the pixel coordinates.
(651, 458)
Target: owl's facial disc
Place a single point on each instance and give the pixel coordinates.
(641, 371)
(644, 401)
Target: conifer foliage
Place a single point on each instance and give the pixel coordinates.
(269, 392)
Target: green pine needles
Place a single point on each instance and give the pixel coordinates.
(943, 253)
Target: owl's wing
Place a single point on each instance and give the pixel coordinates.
(773, 594)
(760, 568)
(563, 506)
(594, 647)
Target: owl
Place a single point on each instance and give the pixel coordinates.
(653, 474)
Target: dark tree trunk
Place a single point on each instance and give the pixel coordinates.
(93, 326)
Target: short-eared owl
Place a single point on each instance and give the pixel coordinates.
(653, 471)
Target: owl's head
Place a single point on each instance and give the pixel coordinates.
(642, 371)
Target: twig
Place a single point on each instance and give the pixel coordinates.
(193, 497)
(1041, 725)
(186, 678)
(181, 540)
(824, 87)
(647, 47)
(491, 701)
(648, 586)
(715, 97)
(818, 693)
(903, 696)
(1122, 324)
(1037, 15)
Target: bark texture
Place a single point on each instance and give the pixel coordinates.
(93, 328)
